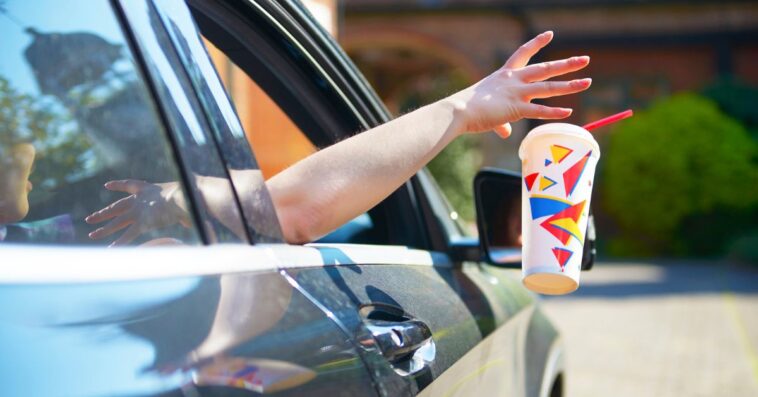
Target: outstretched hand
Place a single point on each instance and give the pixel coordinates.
(505, 95)
(149, 206)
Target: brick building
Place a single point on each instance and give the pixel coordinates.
(640, 49)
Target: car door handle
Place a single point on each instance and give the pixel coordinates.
(398, 340)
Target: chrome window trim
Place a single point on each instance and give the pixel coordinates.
(63, 265)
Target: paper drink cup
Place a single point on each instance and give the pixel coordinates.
(558, 166)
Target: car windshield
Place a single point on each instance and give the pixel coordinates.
(75, 115)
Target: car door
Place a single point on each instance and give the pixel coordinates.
(415, 311)
(187, 306)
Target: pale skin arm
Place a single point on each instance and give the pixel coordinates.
(325, 190)
(332, 186)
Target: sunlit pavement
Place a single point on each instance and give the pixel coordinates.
(661, 329)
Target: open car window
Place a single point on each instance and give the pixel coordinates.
(79, 133)
(283, 120)
(275, 139)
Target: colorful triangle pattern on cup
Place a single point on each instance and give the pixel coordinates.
(546, 183)
(559, 152)
(574, 173)
(529, 180)
(562, 255)
(565, 224)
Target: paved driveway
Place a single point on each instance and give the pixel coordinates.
(661, 329)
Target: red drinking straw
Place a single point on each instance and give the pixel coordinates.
(608, 120)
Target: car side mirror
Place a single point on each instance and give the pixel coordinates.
(497, 194)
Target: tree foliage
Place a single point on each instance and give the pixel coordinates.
(455, 167)
(61, 151)
(737, 100)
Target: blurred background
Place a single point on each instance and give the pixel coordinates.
(672, 307)
(689, 70)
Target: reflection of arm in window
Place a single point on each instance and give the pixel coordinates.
(75, 95)
(152, 206)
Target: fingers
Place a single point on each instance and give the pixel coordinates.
(116, 209)
(547, 89)
(129, 235)
(535, 111)
(504, 130)
(131, 186)
(521, 57)
(111, 227)
(546, 70)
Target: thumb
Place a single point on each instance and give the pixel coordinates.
(504, 130)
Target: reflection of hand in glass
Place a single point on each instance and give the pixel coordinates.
(15, 167)
(149, 206)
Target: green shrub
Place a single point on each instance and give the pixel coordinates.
(454, 170)
(455, 167)
(671, 167)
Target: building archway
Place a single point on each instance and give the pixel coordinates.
(408, 68)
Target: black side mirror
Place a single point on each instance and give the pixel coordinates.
(497, 194)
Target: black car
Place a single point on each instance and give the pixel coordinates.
(398, 301)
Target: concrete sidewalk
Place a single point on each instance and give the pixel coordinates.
(661, 329)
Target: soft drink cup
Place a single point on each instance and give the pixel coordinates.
(558, 167)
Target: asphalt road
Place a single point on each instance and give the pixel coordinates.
(661, 329)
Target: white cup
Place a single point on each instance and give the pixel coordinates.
(558, 167)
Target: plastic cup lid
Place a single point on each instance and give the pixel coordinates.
(562, 129)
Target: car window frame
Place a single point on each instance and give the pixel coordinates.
(184, 163)
(397, 215)
(260, 219)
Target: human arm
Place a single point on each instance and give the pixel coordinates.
(330, 187)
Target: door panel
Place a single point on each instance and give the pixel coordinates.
(241, 333)
(491, 368)
(446, 299)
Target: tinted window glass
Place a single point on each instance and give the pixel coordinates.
(79, 133)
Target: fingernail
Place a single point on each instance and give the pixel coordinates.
(546, 33)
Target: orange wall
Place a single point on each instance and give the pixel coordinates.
(275, 140)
